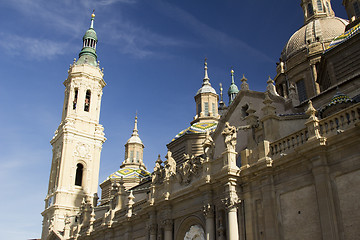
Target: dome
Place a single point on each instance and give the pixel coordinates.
(129, 172)
(134, 139)
(206, 89)
(233, 89)
(90, 33)
(323, 29)
(197, 128)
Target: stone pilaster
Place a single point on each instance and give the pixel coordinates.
(325, 199)
(208, 211)
(168, 229)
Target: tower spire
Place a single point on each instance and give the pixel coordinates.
(88, 54)
(233, 89)
(206, 80)
(92, 19)
(135, 131)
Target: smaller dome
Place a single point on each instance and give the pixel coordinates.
(233, 89)
(134, 139)
(338, 102)
(130, 172)
(90, 33)
(207, 88)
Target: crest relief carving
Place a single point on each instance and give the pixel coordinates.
(82, 150)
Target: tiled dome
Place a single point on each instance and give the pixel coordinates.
(345, 36)
(197, 128)
(129, 172)
(323, 30)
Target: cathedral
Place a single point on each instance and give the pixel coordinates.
(279, 164)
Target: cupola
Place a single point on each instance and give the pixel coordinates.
(206, 100)
(233, 89)
(88, 51)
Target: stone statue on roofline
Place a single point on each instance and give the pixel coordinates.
(170, 165)
(208, 145)
(230, 136)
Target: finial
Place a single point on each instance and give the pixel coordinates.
(205, 68)
(244, 84)
(135, 127)
(221, 92)
(232, 76)
(92, 19)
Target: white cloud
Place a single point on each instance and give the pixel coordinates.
(37, 49)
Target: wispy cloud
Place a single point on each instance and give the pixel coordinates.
(109, 2)
(31, 47)
(137, 41)
(209, 34)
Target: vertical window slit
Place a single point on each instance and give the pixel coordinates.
(87, 101)
(79, 174)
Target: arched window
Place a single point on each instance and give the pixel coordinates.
(320, 6)
(87, 101)
(75, 98)
(79, 174)
(310, 10)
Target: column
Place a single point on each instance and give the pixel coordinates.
(168, 227)
(233, 222)
(210, 227)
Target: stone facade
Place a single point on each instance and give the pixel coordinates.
(268, 166)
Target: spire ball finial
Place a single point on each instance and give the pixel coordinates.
(93, 13)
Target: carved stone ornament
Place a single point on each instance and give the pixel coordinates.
(230, 203)
(190, 168)
(208, 210)
(230, 136)
(82, 150)
(158, 175)
(208, 146)
(169, 165)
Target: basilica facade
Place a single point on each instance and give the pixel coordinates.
(279, 164)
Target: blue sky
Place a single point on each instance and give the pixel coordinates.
(152, 52)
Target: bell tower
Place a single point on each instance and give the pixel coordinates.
(77, 142)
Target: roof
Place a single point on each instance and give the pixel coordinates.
(344, 37)
(129, 172)
(197, 128)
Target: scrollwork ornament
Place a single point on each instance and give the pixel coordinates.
(82, 150)
(208, 210)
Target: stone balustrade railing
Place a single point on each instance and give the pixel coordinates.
(288, 143)
(329, 126)
(340, 121)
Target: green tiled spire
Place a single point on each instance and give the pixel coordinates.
(88, 52)
(233, 89)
